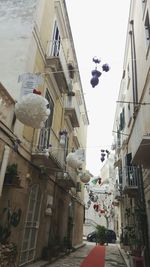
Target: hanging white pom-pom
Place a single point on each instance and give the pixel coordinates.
(73, 161)
(80, 153)
(32, 110)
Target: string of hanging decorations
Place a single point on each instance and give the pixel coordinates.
(103, 200)
(96, 73)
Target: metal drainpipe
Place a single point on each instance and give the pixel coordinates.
(134, 67)
(4, 166)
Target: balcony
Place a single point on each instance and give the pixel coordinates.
(117, 162)
(141, 155)
(7, 106)
(75, 138)
(48, 158)
(58, 65)
(72, 110)
(130, 177)
(66, 179)
(118, 194)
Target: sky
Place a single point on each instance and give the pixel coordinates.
(99, 30)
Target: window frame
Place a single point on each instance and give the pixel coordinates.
(56, 40)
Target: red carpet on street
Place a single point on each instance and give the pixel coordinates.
(96, 257)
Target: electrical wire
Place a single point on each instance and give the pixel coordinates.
(134, 103)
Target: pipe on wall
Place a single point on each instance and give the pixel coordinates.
(4, 166)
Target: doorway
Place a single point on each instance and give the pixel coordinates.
(28, 248)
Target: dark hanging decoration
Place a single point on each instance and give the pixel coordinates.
(96, 73)
(94, 81)
(104, 153)
(105, 67)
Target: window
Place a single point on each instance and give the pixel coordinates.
(66, 147)
(13, 122)
(129, 114)
(51, 107)
(45, 131)
(118, 138)
(55, 42)
(120, 176)
(122, 120)
(144, 4)
(128, 76)
(147, 29)
(128, 159)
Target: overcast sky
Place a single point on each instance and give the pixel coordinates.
(99, 29)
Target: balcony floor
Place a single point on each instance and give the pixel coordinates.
(49, 163)
(141, 156)
(131, 191)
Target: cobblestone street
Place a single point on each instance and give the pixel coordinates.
(74, 259)
(113, 257)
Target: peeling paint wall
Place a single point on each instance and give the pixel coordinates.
(16, 24)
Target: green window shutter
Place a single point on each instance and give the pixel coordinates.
(122, 120)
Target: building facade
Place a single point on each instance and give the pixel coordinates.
(41, 195)
(131, 133)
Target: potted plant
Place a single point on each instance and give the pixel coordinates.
(11, 176)
(9, 218)
(101, 234)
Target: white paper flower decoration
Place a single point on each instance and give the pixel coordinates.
(32, 110)
(73, 161)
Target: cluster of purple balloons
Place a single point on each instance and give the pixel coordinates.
(96, 73)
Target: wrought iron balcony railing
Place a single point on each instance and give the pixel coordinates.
(48, 153)
(56, 61)
(72, 110)
(50, 156)
(130, 178)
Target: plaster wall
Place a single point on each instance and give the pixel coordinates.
(140, 46)
(16, 23)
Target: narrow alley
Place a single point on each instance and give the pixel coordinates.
(113, 257)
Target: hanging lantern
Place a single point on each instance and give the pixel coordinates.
(63, 134)
(62, 140)
(32, 110)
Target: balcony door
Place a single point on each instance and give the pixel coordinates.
(55, 42)
(44, 136)
(28, 248)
